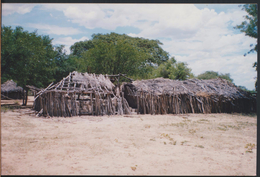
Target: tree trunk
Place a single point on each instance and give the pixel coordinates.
(25, 97)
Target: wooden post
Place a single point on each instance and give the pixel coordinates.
(191, 104)
(143, 102)
(44, 105)
(62, 105)
(96, 102)
(91, 102)
(137, 98)
(51, 103)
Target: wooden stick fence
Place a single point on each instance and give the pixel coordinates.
(165, 96)
(148, 103)
(67, 105)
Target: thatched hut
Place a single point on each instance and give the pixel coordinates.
(164, 96)
(81, 94)
(10, 90)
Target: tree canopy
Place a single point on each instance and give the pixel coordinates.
(214, 75)
(27, 58)
(79, 47)
(115, 53)
(173, 70)
(31, 59)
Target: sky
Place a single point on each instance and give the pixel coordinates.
(202, 35)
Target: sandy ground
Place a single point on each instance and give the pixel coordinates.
(184, 144)
(20, 102)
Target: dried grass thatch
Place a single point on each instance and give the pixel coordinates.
(10, 86)
(10, 90)
(160, 96)
(81, 94)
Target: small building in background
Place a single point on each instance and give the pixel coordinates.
(10, 90)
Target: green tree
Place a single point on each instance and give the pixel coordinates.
(181, 71)
(64, 64)
(154, 53)
(114, 53)
(173, 70)
(27, 58)
(112, 58)
(164, 69)
(79, 47)
(214, 75)
(245, 89)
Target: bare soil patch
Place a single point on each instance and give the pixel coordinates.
(184, 144)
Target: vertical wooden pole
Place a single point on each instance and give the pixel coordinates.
(137, 98)
(143, 101)
(91, 102)
(51, 103)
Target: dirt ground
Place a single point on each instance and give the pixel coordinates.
(20, 102)
(184, 144)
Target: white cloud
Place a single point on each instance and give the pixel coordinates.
(53, 29)
(175, 21)
(239, 67)
(237, 17)
(202, 38)
(134, 35)
(138, 15)
(223, 54)
(9, 8)
(68, 41)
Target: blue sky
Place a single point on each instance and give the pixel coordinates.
(200, 34)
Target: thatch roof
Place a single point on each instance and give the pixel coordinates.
(80, 82)
(83, 82)
(193, 87)
(10, 86)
